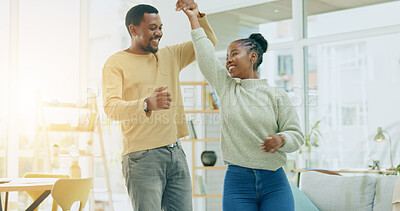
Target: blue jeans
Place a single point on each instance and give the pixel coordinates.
(248, 189)
(158, 179)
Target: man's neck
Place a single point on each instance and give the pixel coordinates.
(135, 49)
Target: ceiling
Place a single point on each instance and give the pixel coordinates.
(236, 23)
(282, 9)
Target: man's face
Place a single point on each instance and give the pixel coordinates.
(149, 32)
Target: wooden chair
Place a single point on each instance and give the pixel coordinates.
(67, 191)
(35, 194)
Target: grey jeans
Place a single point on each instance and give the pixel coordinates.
(158, 179)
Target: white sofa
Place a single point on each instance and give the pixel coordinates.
(351, 193)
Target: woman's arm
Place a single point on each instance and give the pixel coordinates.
(184, 52)
(289, 125)
(208, 62)
(193, 14)
(290, 136)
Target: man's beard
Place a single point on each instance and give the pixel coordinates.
(148, 48)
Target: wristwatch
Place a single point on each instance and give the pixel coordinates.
(200, 15)
(145, 106)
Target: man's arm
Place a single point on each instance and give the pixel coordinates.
(118, 109)
(207, 29)
(115, 107)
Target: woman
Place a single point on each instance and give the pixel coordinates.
(259, 125)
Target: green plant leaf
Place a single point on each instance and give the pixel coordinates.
(319, 132)
(312, 138)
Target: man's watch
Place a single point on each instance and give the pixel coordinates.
(200, 15)
(145, 106)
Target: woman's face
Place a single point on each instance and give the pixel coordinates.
(238, 61)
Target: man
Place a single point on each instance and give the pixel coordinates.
(141, 90)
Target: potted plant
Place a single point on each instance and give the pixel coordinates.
(311, 140)
(397, 170)
(312, 137)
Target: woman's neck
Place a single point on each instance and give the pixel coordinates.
(253, 75)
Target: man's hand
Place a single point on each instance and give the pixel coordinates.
(272, 143)
(181, 4)
(159, 100)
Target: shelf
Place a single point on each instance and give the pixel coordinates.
(210, 167)
(64, 105)
(200, 110)
(282, 78)
(99, 190)
(216, 111)
(96, 155)
(193, 83)
(70, 130)
(201, 140)
(67, 129)
(67, 155)
(208, 196)
(80, 155)
(87, 123)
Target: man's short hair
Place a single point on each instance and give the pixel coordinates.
(135, 14)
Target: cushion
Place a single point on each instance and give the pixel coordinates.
(301, 201)
(396, 196)
(384, 192)
(331, 192)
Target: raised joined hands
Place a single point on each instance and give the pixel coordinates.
(181, 4)
(192, 12)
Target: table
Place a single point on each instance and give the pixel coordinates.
(27, 184)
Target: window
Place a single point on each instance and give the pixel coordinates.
(354, 80)
(285, 72)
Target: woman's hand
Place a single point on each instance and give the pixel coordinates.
(272, 143)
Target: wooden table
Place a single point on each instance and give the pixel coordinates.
(27, 184)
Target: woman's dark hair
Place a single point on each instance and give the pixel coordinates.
(135, 14)
(257, 43)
